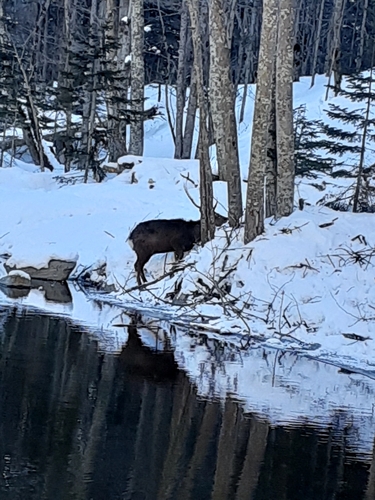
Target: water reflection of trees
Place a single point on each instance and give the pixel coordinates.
(77, 423)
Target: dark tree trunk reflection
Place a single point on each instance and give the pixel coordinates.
(77, 423)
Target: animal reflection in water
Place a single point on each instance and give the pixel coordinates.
(140, 360)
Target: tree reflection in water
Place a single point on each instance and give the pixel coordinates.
(77, 423)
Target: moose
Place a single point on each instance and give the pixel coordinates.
(165, 235)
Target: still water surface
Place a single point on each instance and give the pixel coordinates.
(80, 423)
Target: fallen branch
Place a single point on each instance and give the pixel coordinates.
(288, 230)
(327, 224)
(149, 283)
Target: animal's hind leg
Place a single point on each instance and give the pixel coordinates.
(138, 266)
(178, 251)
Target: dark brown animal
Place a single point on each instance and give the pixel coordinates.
(139, 360)
(164, 235)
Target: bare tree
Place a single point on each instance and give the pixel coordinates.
(317, 39)
(254, 217)
(249, 66)
(364, 138)
(66, 84)
(90, 93)
(362, 35)
(284, 110)
(30, 120)
(181, 81)
(190, 117)
(222, 101)
(206, 190)
(271, 157)
(118, 30)
(137, 77)
(333, 48)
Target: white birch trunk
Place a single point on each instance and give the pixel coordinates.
(254, 217)
(118, 30)
(137, 77)
(223, 111)
(284, 111)
(205, 186)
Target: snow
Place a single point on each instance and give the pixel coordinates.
(305, 286)
(21, 274)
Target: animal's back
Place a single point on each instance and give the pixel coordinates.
(157, 235)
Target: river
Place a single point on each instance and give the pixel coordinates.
(81, 421)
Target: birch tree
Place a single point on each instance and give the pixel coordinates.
(284, 111)
(274, 95)
(119, 41)
(137, 77)
(222, 100)
(205, 185)
(254, 217)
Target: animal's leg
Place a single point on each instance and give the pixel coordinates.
(138, 266)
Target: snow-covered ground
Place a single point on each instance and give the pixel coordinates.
(305, 285)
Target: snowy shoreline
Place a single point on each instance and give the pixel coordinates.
(303, 289)
(305, 284)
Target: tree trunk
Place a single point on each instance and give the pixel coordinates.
(27, 110)
(317, 41)
(229, 11)
(190, 117)
(223, 111)
(90, 97)
(249, 63)
(271, 159)
(137, 77)
(2, 44)
(206, 190)
(333, 45)
(362, 35)
(181, 82)
(254, 217)
(284, 110)
(123, 52)
(363, 142)
(31, 126)
(66, 82)
(117, 30)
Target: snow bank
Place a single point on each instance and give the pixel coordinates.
(305, 285)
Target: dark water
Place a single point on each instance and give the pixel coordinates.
(77, 423)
